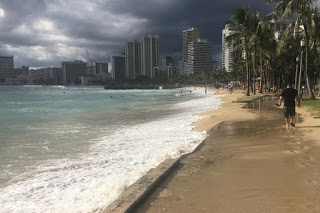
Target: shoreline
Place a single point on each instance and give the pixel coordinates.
(156, 197)
(138, 191)
(247, 164)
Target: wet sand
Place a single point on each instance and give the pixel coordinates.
(249, 163)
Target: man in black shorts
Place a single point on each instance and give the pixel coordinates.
(289, 95)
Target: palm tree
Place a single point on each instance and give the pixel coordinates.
(266, 47)
(304, 11)
(243, 24)
(315, 45)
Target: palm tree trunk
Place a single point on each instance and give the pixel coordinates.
(296, 76)
(261, 72)
(300, 73)
(254, 70)
(307, 54)
(248, 73)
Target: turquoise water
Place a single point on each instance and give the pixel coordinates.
(50, 133)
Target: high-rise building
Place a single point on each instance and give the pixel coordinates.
(142, 56)
(49, 75)
(171, 71)
(279, 26)
(150, 54)
(183, 67)
(72, 71)
(214, 65)
(25, 70)
(199, 56)
(6, 67)
(189, 35)
(167, 60)
(132, 59)
(101, 68)
(118, 68)
(227, 49)
(21, 71)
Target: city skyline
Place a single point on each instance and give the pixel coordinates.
(45, 33)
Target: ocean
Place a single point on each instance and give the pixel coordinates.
(76, 149)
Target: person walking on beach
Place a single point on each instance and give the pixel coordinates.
(289, 95)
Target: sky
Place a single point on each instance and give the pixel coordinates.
(42, 33)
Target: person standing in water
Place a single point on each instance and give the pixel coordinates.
(289, 95)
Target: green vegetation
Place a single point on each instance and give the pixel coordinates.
(293, 57)
(313, 106)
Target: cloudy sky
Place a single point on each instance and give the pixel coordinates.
(43, 33)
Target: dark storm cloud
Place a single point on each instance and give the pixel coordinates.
(170, 18)
(44, 32)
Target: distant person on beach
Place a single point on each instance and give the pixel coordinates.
(205, 90)
(230, 88)
(289, 95)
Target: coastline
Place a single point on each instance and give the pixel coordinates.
(249, 163)
(185, 185)
(229, 110)
(138, 192)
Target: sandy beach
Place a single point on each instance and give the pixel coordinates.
(249, 163)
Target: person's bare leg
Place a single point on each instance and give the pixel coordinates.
(287, 122)
(292, 118)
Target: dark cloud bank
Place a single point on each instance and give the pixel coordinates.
(45, 32)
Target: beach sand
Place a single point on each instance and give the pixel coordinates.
(248, 163)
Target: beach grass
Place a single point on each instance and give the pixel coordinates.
(313, 106)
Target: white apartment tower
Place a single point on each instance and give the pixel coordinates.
(132, 59)
(150, 54)
(226, 48)
(189, 35)
(199, 56)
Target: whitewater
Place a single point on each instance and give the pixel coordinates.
(88, 145)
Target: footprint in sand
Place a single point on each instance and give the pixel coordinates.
(308, 158)
(313, 182)
(294, 143)
(301, 164)
(305, 147)
(295, 152)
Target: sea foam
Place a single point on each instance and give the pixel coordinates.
(114, 162)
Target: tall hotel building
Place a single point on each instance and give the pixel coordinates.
(6, 67)
(72, 71)
(226, 48)
(133, 59)
(141, 56)
(199, 56)
(118, 68)
(189, 35)
(150, 54)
